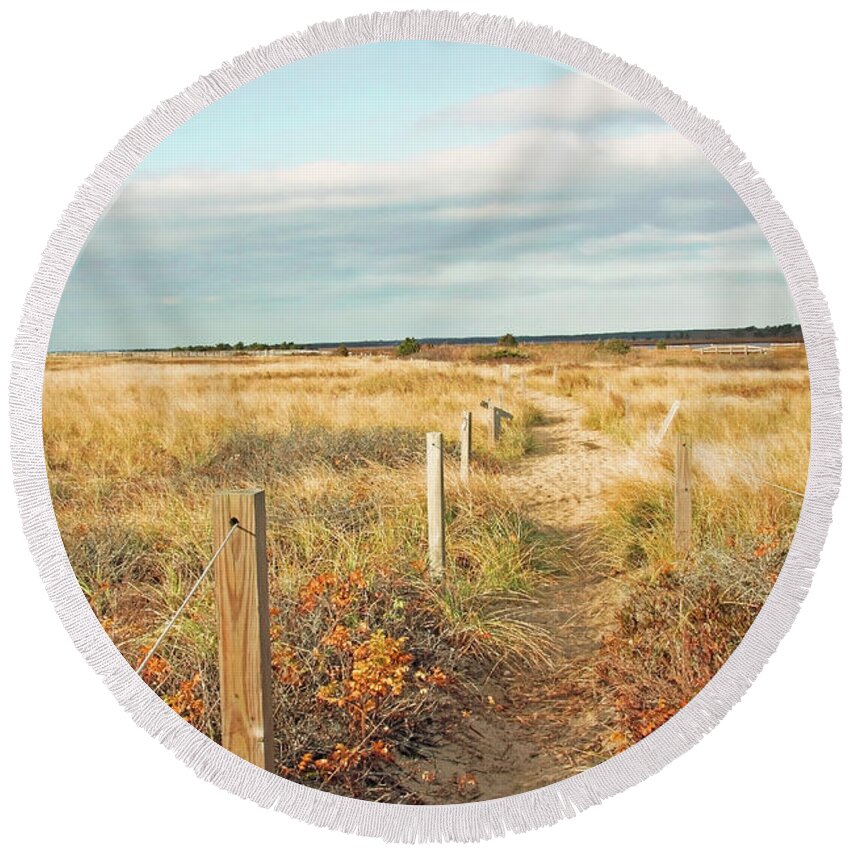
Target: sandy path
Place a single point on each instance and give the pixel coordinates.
(529, 731)
(560, 482)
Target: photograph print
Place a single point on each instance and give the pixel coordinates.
(426, 422)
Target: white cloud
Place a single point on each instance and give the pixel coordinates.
(552, 227)
(572, 100)
(516, 166)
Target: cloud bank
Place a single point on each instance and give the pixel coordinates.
(583, 214)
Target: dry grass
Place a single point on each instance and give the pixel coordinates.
(369, 655)
(749, 420)
(135, 451)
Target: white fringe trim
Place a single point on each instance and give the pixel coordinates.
(467, 821)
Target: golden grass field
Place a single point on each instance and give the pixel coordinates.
(379, 673)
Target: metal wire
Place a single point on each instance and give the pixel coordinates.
(780, 487)
(189, 595)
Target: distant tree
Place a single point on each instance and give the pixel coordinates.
(408, 346)
(341, 351)
(507, 341)
(240, 346)
(660, 344)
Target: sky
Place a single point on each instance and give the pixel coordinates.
(418, 189)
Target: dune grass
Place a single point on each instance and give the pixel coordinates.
(367, 651)
(369, 655)
(684, 614)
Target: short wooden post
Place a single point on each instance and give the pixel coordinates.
(494, 423)
(682, 509)
(436, 506)
(465, 445)
(506, 372)
(501, 399)
(242, 600)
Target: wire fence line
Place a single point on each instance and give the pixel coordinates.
(656, 439)
(188, 596)
(780, 487)
(359, 511)
(305, 512)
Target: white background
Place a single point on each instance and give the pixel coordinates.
(77, 77)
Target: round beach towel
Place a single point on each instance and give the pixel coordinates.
(422, 411)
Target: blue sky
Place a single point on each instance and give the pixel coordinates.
(418, 188)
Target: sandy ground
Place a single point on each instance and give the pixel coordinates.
(527, 730)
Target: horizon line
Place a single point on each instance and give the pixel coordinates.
(443, 340)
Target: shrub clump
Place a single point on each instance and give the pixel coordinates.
(408, 346)
(354, 692)
(613, 346)
(502, 354)
(679, 625)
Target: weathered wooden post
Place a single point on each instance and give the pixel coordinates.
(501, 400)
(494, 423)
(488, 405)
(242, 600)
(682, 508)
(465, 445)
(506, 372)
(436, 506)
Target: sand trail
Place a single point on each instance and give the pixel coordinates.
(529, 730)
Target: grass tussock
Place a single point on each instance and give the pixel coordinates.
(725, 400)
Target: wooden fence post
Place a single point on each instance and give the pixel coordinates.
(242, 600)
(465, 445)
(436, 506)
(494, 423)
(506, 372)
(682, 509)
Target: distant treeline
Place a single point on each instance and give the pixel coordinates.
(240, 346)
(787, 332)
(778, 330)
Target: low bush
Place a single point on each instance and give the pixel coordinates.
(501, 354)
(683, 615)
(408, 346)
(613, 346)
(679, 625)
